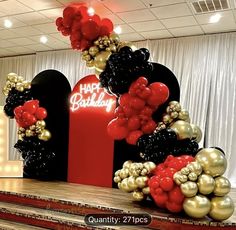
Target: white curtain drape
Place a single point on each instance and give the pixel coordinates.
(203, 65)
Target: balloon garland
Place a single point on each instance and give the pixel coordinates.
(175, 173)
(33, 137)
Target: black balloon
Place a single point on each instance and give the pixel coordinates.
(39, 158)
(156, 147)
(16, 98)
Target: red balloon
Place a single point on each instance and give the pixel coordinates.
(84, 44)
(69, 12)
(117, 131)
(41, 113)
(134, 123)
(119, 112)
(124, 99)
(173, 207)
(166, 183)
(25, 116)
(149, 127)
(142, 80)
(84, 11)
(31, 106)
(18, 111)
(104, 31)
(129, 112)
(122, 121)
(145, 93)
(176, 195)
(107, 23)
(147, 111)
(31, 120)
(59, 21)
(96, 19)
(133, 137)
(90, 30)
(136, 103)
(160, 94)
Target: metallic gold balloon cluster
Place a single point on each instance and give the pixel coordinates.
(17, 82)
(204, 187)
(97, 55)
(35, 130)
(178, 119)
(133, 177)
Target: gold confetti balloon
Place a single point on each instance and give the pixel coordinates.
(212, 161)
(197, 206)
(206, 184)
(197, 133)
(189, 189)
(221, 208)
(182, 129)
(222, 186)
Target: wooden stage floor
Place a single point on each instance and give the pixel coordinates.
(71, 202)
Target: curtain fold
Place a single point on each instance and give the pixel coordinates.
(203, 65)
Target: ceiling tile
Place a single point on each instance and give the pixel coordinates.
(155, 3)
(179, 22)
(32, 18)
(115, 19)
(136, 16)
(13, 7)
(186, 31)
(60, 37)
(41, 4)
(58, 45)
(227, 16)
(6, 44)
(131, 37)
(126, 29)
(47, 28)
(38, 47)
(219, 27)
(66, 2)
(26, 31)
(5, 52)
(146, 26)
(124, 5)
(15, 23)
(157, 34)
(20, 50)
(171, 11)
(100, 9)
(5, 34)
(53, 13)
(22, 41)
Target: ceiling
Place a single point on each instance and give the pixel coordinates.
(139, 20)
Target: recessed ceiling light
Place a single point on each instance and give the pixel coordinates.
(43, 39)
(7, 23)
(91, 11)
(215, 18)
(118, 30)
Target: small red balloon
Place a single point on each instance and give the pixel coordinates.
(59, 21)
(107, 23)
(166, 183)
(136, 103)
(117, 131)
(124, 99)
(41, 113)
(149, 127)
(133, 137)
(18, 111)
(134, 123)
(90, 30)
(31, 106)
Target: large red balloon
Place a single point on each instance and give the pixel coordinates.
(41, 113)
(31, 106)
(133, 137)
(117, 131)
(107, 23)
(90, 30)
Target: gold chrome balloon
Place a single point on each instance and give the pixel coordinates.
(29, 133)
(149, 165)
(185, 171)
(146, 190)
(167, 119)
(141, 181)
(117, 173)
(127, 164)
(197, 133)
(124, 185)
(222, 186)
(124, 173)
(100, 60)
(132, 183)
(221, 208)
(183, 130)
(212, 161)
(195, 167)
(192, 176)
(45, 135)
(138, 196)
(189, 189)
(114, 38)
(117, 179)
(206, 184)
(93, 50)
(179, 178)
(184, 115)
(197, 206)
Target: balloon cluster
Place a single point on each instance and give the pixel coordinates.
(204, 187)
(123, 68)
(134, 113)
(157, 146)
(82, 27)
(29, 118)
(133, 177)
(163, 190)
(17, 91)
(98, 54)
(39, 158)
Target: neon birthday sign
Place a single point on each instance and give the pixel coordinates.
(91, 95)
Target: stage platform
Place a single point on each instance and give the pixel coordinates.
(25, 203)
